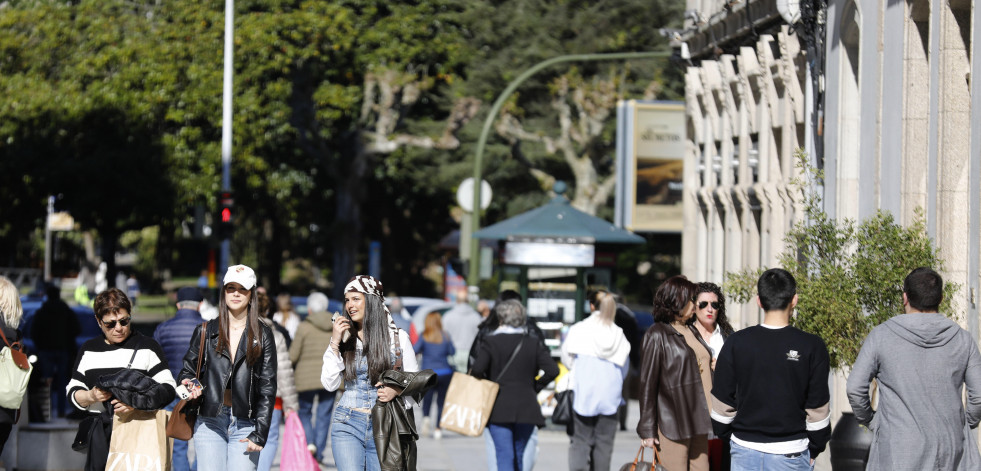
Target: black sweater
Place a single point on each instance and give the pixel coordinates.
(771, 385)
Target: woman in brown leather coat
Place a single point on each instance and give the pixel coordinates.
(675, 378)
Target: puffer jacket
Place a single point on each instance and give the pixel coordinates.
(285, 387)
(253, 388)
(394, 425)
(135, 388)
(174, 337)
(307, 351)
(672, 398)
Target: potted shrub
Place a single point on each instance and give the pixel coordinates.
(849, 280)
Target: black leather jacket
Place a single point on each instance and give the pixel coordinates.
(671, 392)
(253, 389)
(394, 426)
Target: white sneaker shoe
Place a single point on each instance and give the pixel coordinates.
(312, 448)
(426, 424)
(437, 434)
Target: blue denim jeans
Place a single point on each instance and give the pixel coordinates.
(745, 459)
(527, 461)
(180, 459)
(352, 441)
(217, 445)
(316, 425)
(268, 453)
(510, 441)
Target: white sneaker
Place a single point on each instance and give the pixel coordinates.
(312, 448)
(426, 423)
(437, 434)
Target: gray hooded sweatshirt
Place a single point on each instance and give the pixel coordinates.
(921, 362)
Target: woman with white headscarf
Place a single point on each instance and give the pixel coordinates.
(365, 342)
(596, 351)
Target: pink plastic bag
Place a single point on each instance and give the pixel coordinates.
(296, 456)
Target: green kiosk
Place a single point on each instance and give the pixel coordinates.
(552, 255)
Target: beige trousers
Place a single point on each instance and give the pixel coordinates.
(690, 454)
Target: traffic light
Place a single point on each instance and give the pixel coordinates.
(226, 215)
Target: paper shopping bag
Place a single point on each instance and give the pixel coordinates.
(469, 402)
(139, 442)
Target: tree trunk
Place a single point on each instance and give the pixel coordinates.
(348, 225)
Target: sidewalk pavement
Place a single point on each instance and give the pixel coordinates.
(458, 452)
(455, 452)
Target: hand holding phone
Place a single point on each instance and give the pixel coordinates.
(189, 389)
(344, 327)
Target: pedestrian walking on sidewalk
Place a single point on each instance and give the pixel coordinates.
(120, 348)
(10, 315)
(286, 399)
(364, 344)
(771, 386)
(512, 358)
(174, 335)
(307, 354)
(436, 349)
(238, 375)
(675, 376)
(921, 361)
(597, 353)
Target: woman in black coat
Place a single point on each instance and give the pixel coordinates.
(516, 412)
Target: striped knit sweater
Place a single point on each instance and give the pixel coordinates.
(97, 358)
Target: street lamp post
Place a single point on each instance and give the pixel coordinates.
(474, 273)
(226, 123)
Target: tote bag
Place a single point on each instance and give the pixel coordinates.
(296, 456)
(469, 402)
(139, 442)
(15, 371)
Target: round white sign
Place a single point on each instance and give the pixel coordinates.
(464, 195)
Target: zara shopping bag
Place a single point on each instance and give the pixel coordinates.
(139, 442)
(469, 402)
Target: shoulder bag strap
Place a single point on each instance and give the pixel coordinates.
(511, 360)
(204, 328)
(5, 339)
(131, 358)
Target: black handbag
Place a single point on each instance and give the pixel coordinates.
(562, 414)
(84, 434)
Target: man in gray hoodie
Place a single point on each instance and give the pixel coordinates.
(921, 360)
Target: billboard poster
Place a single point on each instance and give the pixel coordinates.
(651, 152)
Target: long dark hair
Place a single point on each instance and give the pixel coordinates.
(253, 348)
(377, 341)
(721, 321)
(671, 297)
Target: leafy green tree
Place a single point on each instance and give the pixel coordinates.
(849, 275)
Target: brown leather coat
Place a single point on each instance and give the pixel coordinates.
(394, 426)
(672, 398)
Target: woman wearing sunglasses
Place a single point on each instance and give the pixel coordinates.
(713, 328)
(710, 317)
(120, 348)
(238, 376)
(675, 381)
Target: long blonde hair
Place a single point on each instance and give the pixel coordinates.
(10, 303)
(607, 309)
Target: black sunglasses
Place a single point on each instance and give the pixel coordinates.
(231, 289)
(123, 322)
(715, 305)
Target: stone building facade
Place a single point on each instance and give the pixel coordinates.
(878, 93)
